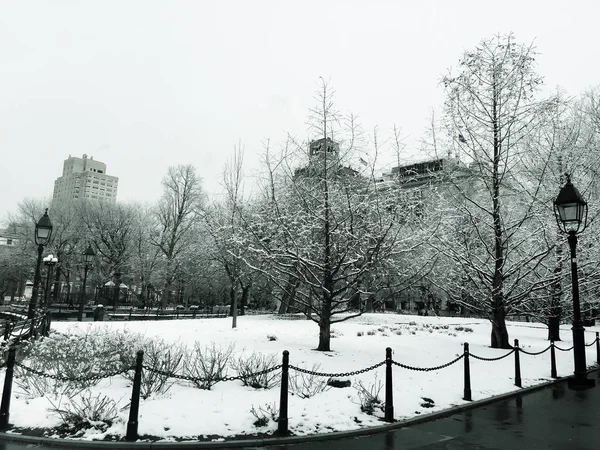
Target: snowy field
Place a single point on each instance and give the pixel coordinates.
(225, 411)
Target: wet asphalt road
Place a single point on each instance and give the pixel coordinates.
(553, 418)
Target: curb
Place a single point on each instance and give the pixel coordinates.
(266, 442)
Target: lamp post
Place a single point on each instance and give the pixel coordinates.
(88, 258)
(571, 211)
(49, 261)
(43, 232)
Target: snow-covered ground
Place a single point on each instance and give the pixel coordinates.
(188, 412)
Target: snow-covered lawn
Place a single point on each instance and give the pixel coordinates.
(189, 413)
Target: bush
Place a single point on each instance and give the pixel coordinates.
(207, 365)
(360, 333)
(248, 366)
(271, 337)
(371, 333)
(73, 356)
(306, 385)
(158, 355)
(97, 412)
(265, 414)
(368, 397)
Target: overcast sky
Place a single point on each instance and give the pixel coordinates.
(142, 85)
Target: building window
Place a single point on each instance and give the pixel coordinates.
(9, 241)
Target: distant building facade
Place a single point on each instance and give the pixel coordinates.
(85, 178)
(8, 236)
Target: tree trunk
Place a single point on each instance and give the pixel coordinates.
(324, 333)
(233, 310)
(554, 328)
(288, 298)
(244, 299)
(117, 291)
(499, 331)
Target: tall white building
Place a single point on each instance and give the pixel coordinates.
(84, 178)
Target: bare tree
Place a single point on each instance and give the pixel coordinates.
(322, 229)
(224, 223)
(176, 214)
(490, 111)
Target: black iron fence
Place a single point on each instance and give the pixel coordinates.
(285, 366)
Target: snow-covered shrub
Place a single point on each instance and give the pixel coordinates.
(265, 414)
(271, 337)
(306, 385)
(335, 334)
(75, 356)
(207, 365)
(162, 356)
(248, 366)
(368, 396)
(371, 333)
(360, 333)
(89, 411)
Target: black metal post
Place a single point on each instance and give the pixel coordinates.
(517, 364)
(134, 409)
(282, 426)
(48, 322)
(581, 380)
(597, 348)
(467, 389)
(389, 394)
(7, 391)
(553, 360)
(36, 284)
(82, 295)
(50, 264)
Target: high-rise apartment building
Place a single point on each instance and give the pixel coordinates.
(84, 178)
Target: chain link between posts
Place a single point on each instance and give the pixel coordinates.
(216, 380)
(564, 349)
(535, 353)
(481, 358)
(429, 369)
(591, 343)
(96, 377)
(337, 375)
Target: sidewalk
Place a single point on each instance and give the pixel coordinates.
(554, 417)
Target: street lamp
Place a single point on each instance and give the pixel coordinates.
(88, 259)
(49, 261)
(571, 211)
(43, 232)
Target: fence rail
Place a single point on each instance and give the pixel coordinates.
(285, 366)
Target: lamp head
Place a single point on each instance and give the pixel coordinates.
(570, 209)
(43, 230)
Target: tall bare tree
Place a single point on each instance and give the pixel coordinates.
(176, 215)
(490, 112)
(323, 229)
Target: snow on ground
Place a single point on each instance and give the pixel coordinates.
(187, 412)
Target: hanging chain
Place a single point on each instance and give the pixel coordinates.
(216, 380)
(429, 369)
(96, 377)
(564, 349)
(481, 358)
(337, 375)
(535, 353)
